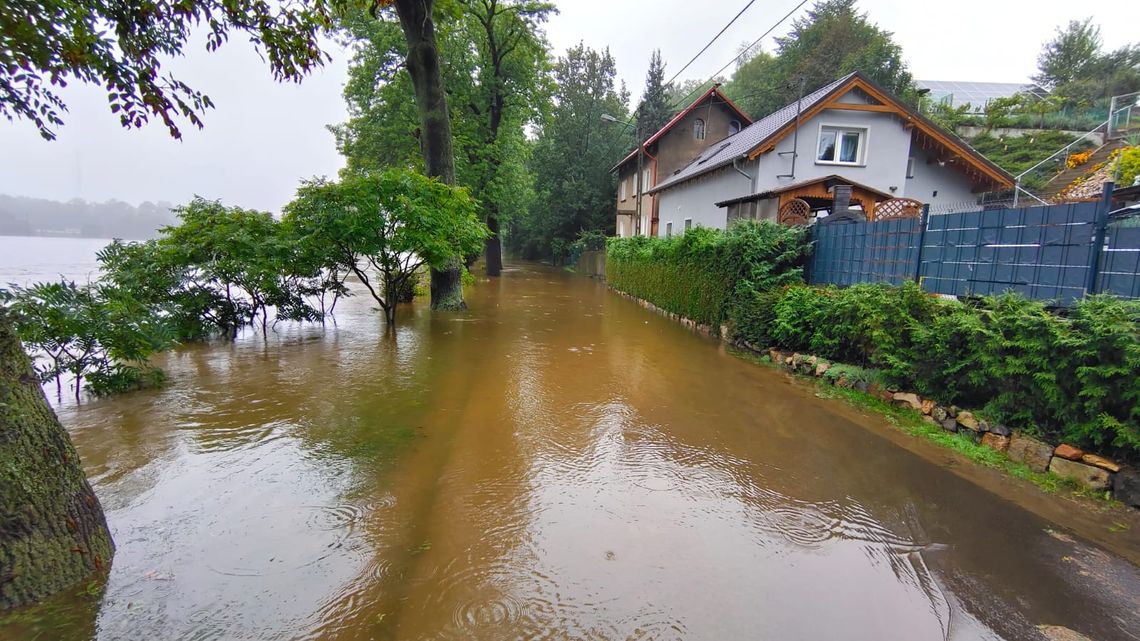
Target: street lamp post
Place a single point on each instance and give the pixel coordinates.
(640, 158)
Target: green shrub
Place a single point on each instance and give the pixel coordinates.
(797, 315)
(702, 273)
(1072, 378)
(948, 357)
(865, 324)
(1101, 377)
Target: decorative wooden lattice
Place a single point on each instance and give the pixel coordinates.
(897, 208)
(794, 212)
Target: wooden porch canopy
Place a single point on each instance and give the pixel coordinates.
(816, 192)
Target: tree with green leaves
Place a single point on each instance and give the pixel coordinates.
(752, 81)
(1075, 68)
(1069, 55)
(680, 94)
(122, 47)
(655, 109)
(832, 40)
(393, 222)
(94, 333)
(241, 254)
(417, 21)
(508, 86)
(493, 62)
(573, 154)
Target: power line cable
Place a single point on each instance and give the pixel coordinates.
(633, 116)
(710, 42)
(755, 42)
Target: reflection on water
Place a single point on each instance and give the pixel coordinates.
(556, 463)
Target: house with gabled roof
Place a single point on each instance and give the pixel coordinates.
(710, 118)
(850, 132)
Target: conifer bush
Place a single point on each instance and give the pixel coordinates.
(1071, 376)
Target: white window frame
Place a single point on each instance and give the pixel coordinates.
(733, 124)
(645, 179)
(911, 163)
(669, 229)
(860, 152)
(703, 131)
(688, 224)
(621, 189)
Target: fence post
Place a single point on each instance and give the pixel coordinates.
(1101, 223)
(923, 222)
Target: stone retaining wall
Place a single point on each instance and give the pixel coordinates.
(1087, 470)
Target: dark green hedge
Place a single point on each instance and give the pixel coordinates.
(696, 274)
(1072, 377)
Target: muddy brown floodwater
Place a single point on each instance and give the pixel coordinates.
(557, 463)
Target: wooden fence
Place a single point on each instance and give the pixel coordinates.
(1057, 253)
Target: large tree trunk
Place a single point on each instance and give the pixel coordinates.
(435, 129)
(52, 530)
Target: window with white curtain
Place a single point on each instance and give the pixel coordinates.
(841, 145)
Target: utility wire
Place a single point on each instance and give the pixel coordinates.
(710, 42)
(633, 116)
(741, 54)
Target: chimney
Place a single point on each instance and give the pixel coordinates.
(841, 199)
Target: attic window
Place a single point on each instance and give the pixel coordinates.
(699, 129)
(733, 127)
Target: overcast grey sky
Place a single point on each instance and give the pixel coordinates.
(263, 137)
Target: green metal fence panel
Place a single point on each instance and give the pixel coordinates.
(867, 252)
(1039, 252)
(1120, 264)
(1045, 253)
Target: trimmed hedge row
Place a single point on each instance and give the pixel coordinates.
(1073, 377)
(703, 272)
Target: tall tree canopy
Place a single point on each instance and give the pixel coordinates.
(574, 152)
(1074, 66)
(122, 45)
(655, 109)
(832, 40)
(493, 69)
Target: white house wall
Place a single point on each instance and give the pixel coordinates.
(940, 186)
(883, 167)
(884, 163)
(697, 199)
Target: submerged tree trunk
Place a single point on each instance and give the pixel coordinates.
(52, 530)
(435, 129)
(494, 248)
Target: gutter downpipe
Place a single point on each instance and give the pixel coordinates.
(751, 180)
(653, 211)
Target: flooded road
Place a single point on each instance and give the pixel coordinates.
(557, 463)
